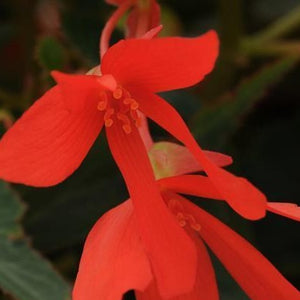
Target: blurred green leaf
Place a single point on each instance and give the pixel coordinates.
(11, 210)
(214, 125)
(27, 276)
(23, 273)
(50, 53)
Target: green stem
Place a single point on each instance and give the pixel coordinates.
(280, 27)
(274, 48)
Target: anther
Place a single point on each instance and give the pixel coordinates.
(193, 222)
(136, 118)
(127, 128)
(108, 122)
(134, 105)
(118, 93)
(103, 103)
(126, 122)
(107, 117)
(181, 219)
(127, 101)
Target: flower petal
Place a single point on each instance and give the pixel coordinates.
(254, 273)
(240, 194)
(205, 287)
(161, 64)
(142, 19)
(171, 251)
(78, 90)
(171, 159)
(195, 185)
(288, 210)
(113, 259)
(49, 142)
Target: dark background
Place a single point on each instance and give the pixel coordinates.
(248, 107)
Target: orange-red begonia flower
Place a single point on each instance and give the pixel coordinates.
(49, 142)
(114, 260)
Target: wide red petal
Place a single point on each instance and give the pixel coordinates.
(195, 185)
(205, 287)
(172, 253)
(288, 210)
(78, 90)
(253, 272)
(171, 159)
(49, 142)
(161, 64)
(113, 259)
(240, 194)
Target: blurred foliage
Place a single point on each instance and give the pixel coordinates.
(248, 107)
(50, 54)
(24, 273)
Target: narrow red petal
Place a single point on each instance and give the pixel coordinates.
(171, 159)
(141, 19)
(49, 142)
(152, 33)
(113, 259)
(195, 185)
(161, 64)
(288, 210)
(205, 287)
(144, 131)
(253, 272)
(171, 251)
(240, 194)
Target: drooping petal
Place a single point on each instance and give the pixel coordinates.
(152, 33)
(288, 210)
(113, 259)
(195, 185)
(171, 159)
(49, 142)
(240, 194)
(161, 64)
(172, 253)
(144, 131)
(205, 287)
(253, 272)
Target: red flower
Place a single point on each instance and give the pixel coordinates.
(114, 260)
(51, 139)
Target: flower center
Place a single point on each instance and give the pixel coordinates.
(184, 219)
(119, 106)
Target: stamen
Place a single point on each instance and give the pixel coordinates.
(181, 219)
(108, 121)
(127, 101)
(118, 93)
(134, 105)
(193, 222)
(137, 120)
(103, 103)
(126, 126)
